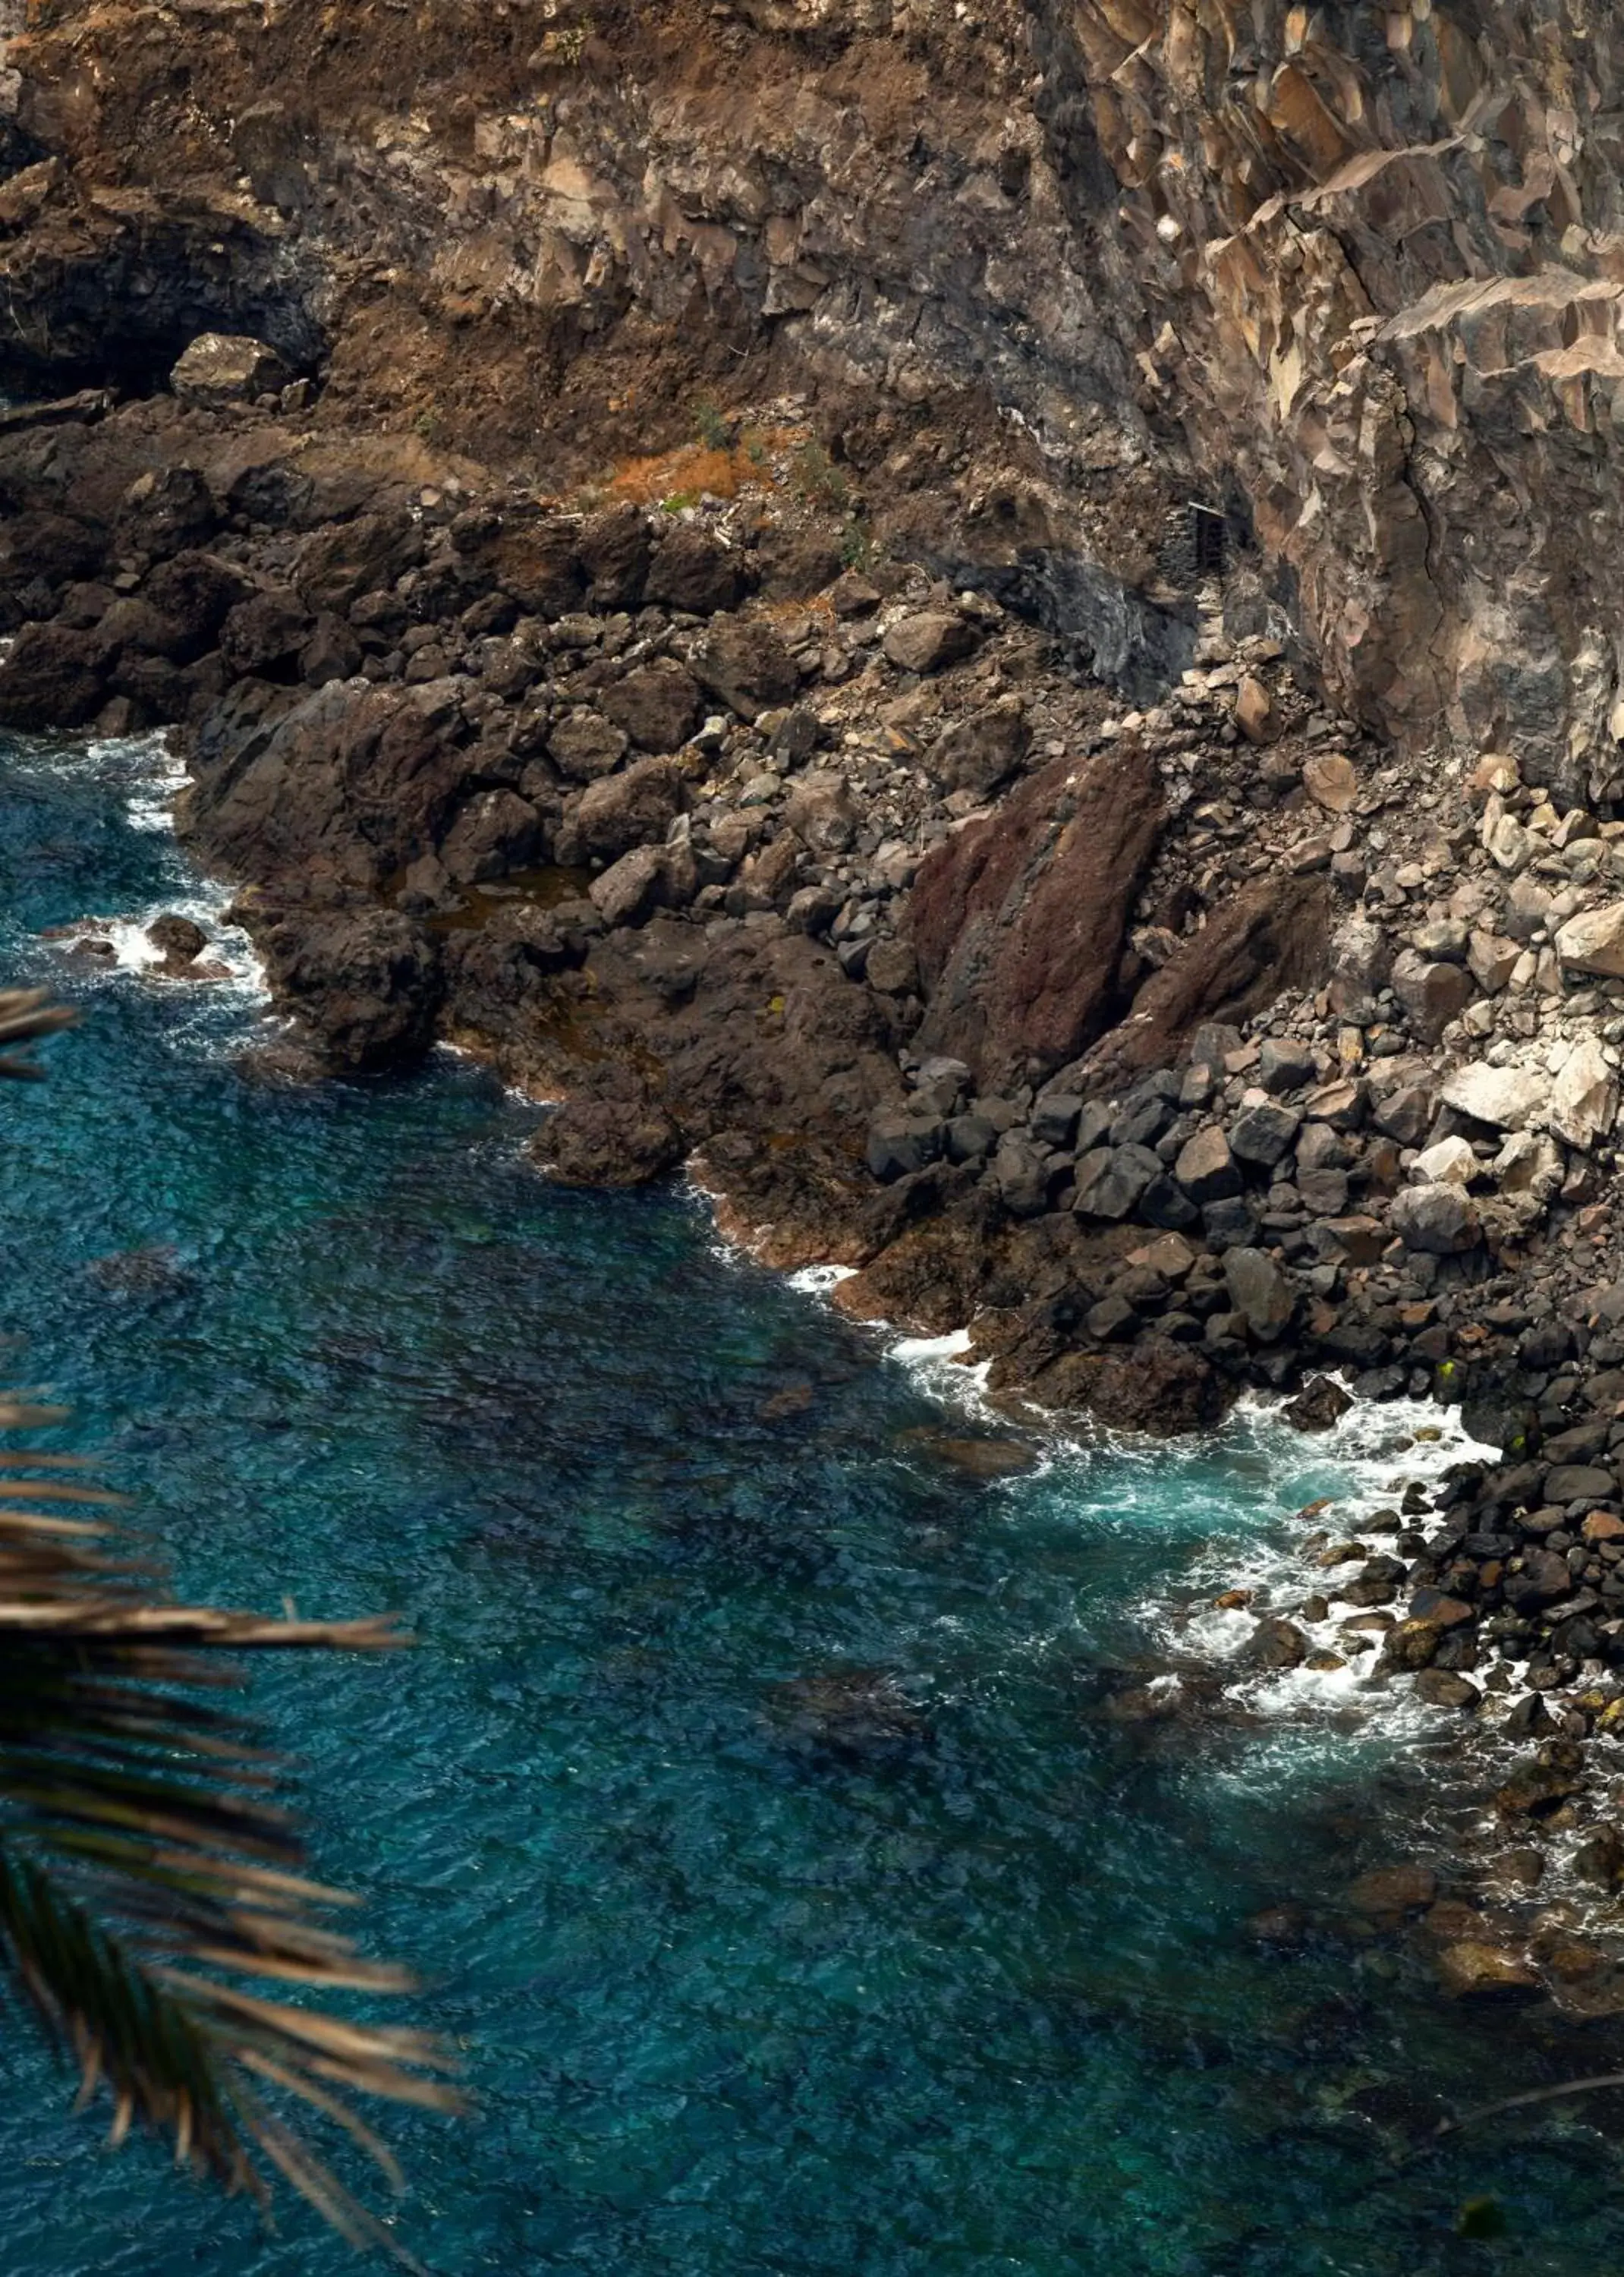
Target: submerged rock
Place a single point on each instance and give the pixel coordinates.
(977, 1457)
(859, 1716)
(1471, 1970)
(153, 1272)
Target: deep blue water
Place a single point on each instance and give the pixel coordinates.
(984, 2004)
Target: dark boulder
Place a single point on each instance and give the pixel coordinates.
(694, 571)
(744, 661)
(624, 1138)
(194, 591)
(1276, 1644)
(1318, 1405)
(1111, 1179)
(634, 808)
(364, 982)
(180, 941)
(1205, 1168)
(982, 751)
(613, 550)
(54, 548)
(52, 678)
(168, 512)
(340, 563)
(657, 705)
(495, 833)
(583, 745)
(1156, 1386)
(353, 782)
(1262, 1135)
(929, 640)
(332, 652)
(538, 565)
(794, 563)
(1285, 1065)
(1259, 1290)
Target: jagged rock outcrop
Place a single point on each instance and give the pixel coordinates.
(1019, 921)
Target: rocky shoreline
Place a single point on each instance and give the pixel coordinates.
(1170, 1053)
(1093, 807)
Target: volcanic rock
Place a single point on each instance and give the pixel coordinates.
(1205, 1167)
(1019, 921)
(657, 705)
(635, 808)
(365, 982)
(1259, 1290)
(1438, 1219)
(1584, 1099)
(1593, 941)
(927, 642)
(223, 368)
(1506, 1097)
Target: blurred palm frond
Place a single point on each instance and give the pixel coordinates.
(148, 1864)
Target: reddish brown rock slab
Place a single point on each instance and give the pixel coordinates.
(1270, 936)
(1019, 920)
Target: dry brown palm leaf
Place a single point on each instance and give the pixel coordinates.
(146, 1860)
(26, 1014)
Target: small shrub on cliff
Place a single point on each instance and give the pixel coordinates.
(817, 479)
(711, 426)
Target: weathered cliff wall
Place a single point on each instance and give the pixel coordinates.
(1363, 263)
(1380, 253)
(545, 233)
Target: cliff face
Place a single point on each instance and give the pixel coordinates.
(1352, 271)
(1380, 257)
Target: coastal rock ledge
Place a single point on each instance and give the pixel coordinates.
(993, 625)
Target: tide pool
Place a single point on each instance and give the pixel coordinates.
(747, 1801)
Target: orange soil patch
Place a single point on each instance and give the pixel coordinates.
(696, 466)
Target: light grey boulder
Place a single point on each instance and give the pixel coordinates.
(1438, 1219)
(224, 368)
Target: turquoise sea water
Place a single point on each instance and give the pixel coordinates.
(979, 2000)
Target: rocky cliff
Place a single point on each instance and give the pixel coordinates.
(1350, 273)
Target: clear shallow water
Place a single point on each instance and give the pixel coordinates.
(984, 2005)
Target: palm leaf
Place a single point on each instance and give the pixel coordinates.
(145, 1859)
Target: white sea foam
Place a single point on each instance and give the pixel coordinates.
(818, 1280)
(1243, 1493)
(1324, 1487)
(154, 778)
(939, 1365)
